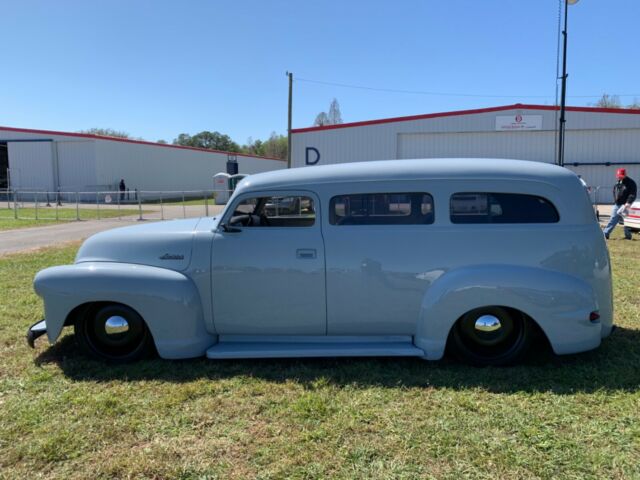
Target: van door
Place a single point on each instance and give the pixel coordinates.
(378, 249)
(267, 267)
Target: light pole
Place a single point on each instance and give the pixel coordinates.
(290, 75)
(563, 96)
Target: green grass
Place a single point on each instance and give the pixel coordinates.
(63, 416)
(47, 216)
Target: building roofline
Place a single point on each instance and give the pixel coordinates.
(466, 112)
(129, 140)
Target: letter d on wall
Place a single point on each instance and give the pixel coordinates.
(309, 156)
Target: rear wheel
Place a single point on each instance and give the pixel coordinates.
(113, 332)
(491, 336)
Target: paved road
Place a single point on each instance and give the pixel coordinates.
(13, 241)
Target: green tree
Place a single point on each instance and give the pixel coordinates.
(106, 132)
(276, 146)
(208, 140)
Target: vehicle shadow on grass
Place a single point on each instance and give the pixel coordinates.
(615, 366)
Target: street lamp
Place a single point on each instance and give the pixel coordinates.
(564, 85)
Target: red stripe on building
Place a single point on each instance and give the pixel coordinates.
(516, 106)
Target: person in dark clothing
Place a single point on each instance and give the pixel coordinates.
(123, 187)
(624, 194)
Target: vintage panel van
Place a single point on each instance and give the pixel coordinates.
(386, 258)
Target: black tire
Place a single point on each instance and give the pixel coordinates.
(128, 346)
(504, 346)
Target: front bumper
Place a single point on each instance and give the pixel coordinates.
(36, 331)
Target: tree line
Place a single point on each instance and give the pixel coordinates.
(275, 146)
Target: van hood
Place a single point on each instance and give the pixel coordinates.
(162, 244)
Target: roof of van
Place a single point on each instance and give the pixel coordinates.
(382, 170)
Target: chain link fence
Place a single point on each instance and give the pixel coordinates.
(151, 204)
(112, 204)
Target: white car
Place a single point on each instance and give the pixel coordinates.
(395, 258)
(632, 219)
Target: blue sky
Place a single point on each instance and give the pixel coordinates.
(159, 68)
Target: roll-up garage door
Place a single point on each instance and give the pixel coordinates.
(31, 165)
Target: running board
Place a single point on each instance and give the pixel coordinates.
(246, 346)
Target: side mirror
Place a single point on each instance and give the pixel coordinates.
(229, 229)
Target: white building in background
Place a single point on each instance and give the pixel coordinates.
(598, 140)
(41, 160)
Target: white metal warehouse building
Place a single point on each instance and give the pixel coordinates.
(41, 160)
(597, 140)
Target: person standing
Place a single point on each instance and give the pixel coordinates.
(624, 194)
(123, 187)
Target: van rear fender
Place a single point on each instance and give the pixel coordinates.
(554, 300)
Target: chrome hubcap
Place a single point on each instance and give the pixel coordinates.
(487, 323)
(115, 325)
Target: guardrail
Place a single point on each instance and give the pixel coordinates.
(109, 204)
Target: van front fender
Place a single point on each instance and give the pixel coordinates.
(167, 300)
(559, 303)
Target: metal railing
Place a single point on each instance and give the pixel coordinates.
(110, 204)
(145, 204)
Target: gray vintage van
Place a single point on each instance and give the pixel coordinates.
(388, 258)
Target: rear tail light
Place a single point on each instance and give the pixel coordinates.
(594, 316)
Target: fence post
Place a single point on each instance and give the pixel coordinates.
(57, 205)
(118, 197)
(97, 206)
(77, 207)
(206, 204)
(139, 205)
(184, 209)
(161, 208)
(15, 204)
(36, 205)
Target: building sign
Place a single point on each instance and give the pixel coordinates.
(518, 122)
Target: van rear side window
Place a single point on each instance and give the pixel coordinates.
(480, 207)
(381, 209)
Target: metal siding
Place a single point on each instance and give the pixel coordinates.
(31, 165)
(538, 146)
(148, 167)
(380, 141)
(76, 165)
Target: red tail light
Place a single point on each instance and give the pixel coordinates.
(594, 316)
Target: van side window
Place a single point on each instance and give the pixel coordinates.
(381, 209)
(475, 207)
(280, 211)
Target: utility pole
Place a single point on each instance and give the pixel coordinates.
(290, 75)
(563, 97)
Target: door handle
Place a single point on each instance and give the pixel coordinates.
(306, 253)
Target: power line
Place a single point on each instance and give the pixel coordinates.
(445, 94)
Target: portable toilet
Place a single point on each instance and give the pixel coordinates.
(222, 187)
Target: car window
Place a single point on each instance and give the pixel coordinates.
(381, 209)
(481, 207)
(275, 211)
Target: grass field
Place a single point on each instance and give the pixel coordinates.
(63, 416)
(47, 216)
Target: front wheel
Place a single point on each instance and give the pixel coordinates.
(113, 332)
(491, 336)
